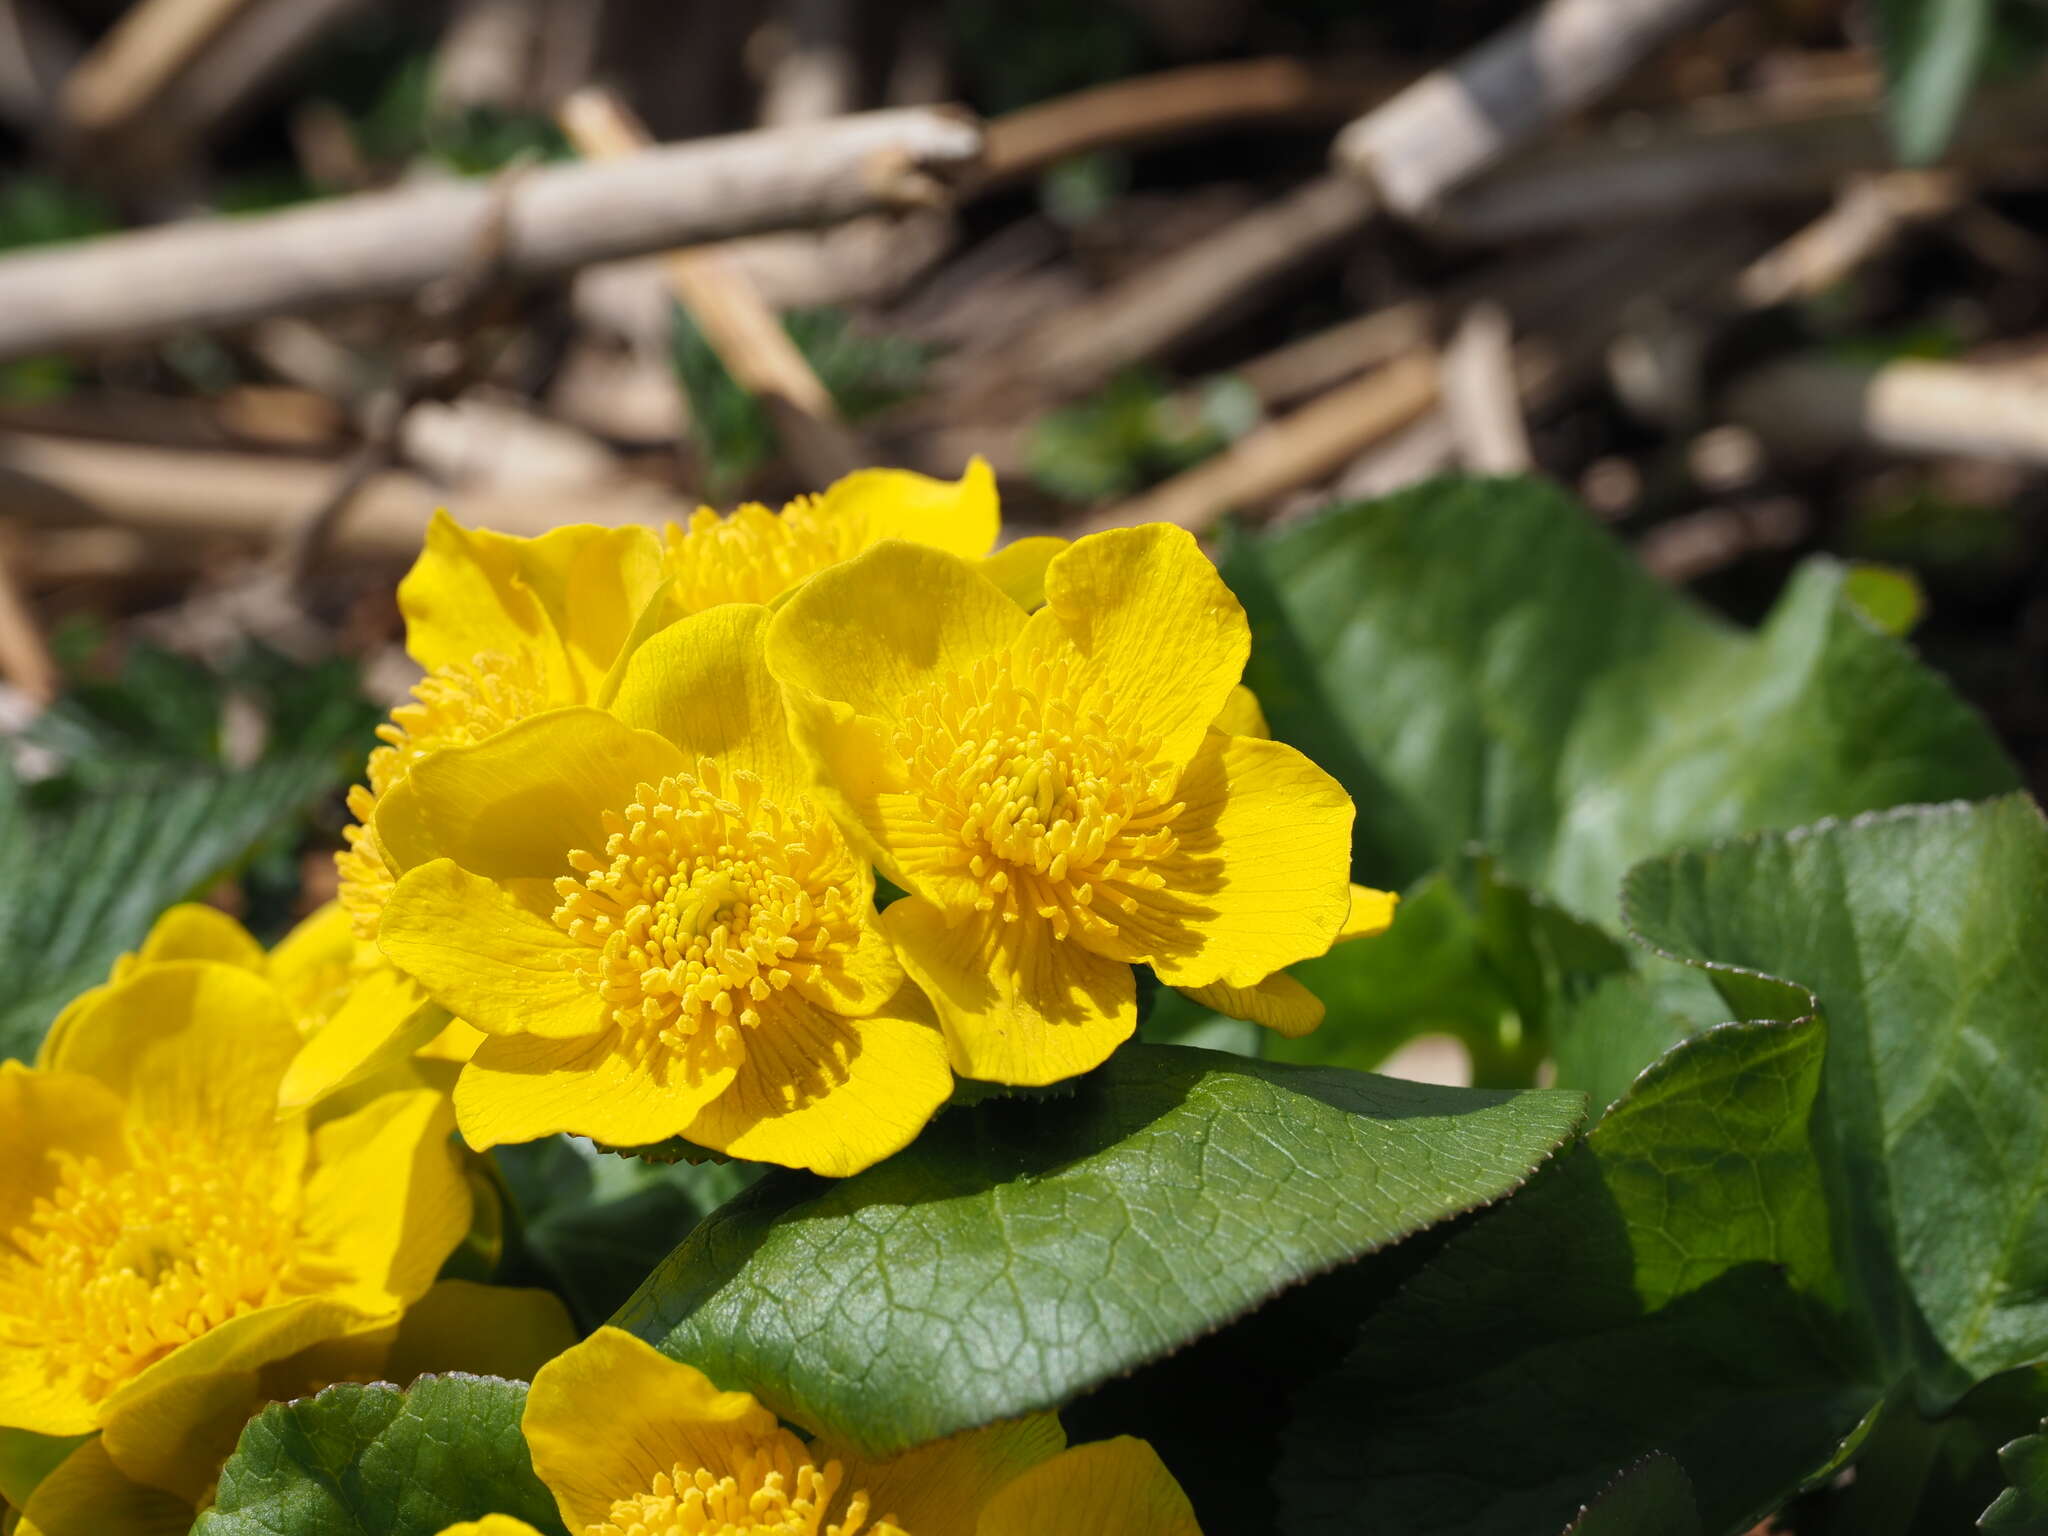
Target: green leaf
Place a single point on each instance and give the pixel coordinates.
(2022, 1509)
(1933, 52)
(1668, 1285)
(1652, 1498)
(82, 881)
(1022, 1251)
(1919, 936)
(1495, 669)
(377, 1461)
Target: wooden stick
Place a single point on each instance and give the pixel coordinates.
(252, 496)
(1296, 450)
(222, 272)
(25, 659)
(1814, 405)
(736, 321)
(1175, 299)
(37, 51)
(1453, 123)
(1694, 161)
(1481, 398)
(1870, 213)
(138, 58)
(1167, 105)
(1318, 362)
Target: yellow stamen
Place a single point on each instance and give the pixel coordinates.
(707, 902)
(768, 1494)
(1044, 800)
(755, 555)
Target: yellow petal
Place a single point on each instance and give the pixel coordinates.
(1159, 628)
(466, 596)
(960, 516)
(593, 582)
(1259, 879)
(1371, 912)
(1110, 1488)
(87, 1495)
(944, 1486)
(312, 965)
(194, 1046)
(44, 1111)
(1019, 569)
(1241, 715)
(603, 1419)
(490, 1525)
(387, 1201)
(177, 1437)
(515, 805)
(383, 1021)
(490, 1330)
(1279, 1002)
(704, 684)
(831, 1094)
(872, 631)
(1017, 1005)
(192, 931)
(485, 958)
(521, 1088)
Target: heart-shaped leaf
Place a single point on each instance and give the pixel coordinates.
(378, 1461)
(1023, 1250)
(1480, 663)
(1923, 937)
(1667, 1285)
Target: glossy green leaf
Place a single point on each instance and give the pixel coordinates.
(1023, 1250)
(1479, 663)
(1667, 1286)
(1922, 937)
(2022, 1509)
(378, 1461)
(1652, 1498)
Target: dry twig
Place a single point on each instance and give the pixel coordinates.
(1812, 405)
(389, 245)
(1482, 400)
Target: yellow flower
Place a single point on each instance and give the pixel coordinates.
(630, 1441)
(658, 930)
(1050, 792)
(755, 555)
(165, 1231)
(457, 1326)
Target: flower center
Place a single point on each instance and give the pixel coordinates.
(755, 555)
(769, 1495)
(115, 1270)
(707, 902)
(453, 706)
(1045, 799)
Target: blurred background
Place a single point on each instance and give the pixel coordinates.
(1753, 280)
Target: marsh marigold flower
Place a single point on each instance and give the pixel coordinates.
(632, 1443)
(1051, 794)
(508, 628)
(658, 929)
(164, 1230)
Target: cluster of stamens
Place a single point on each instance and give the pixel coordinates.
(1039, 792)
(754, 555)
(452, 706)
(707, 901)
(115, 1269)
(765, 1497)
